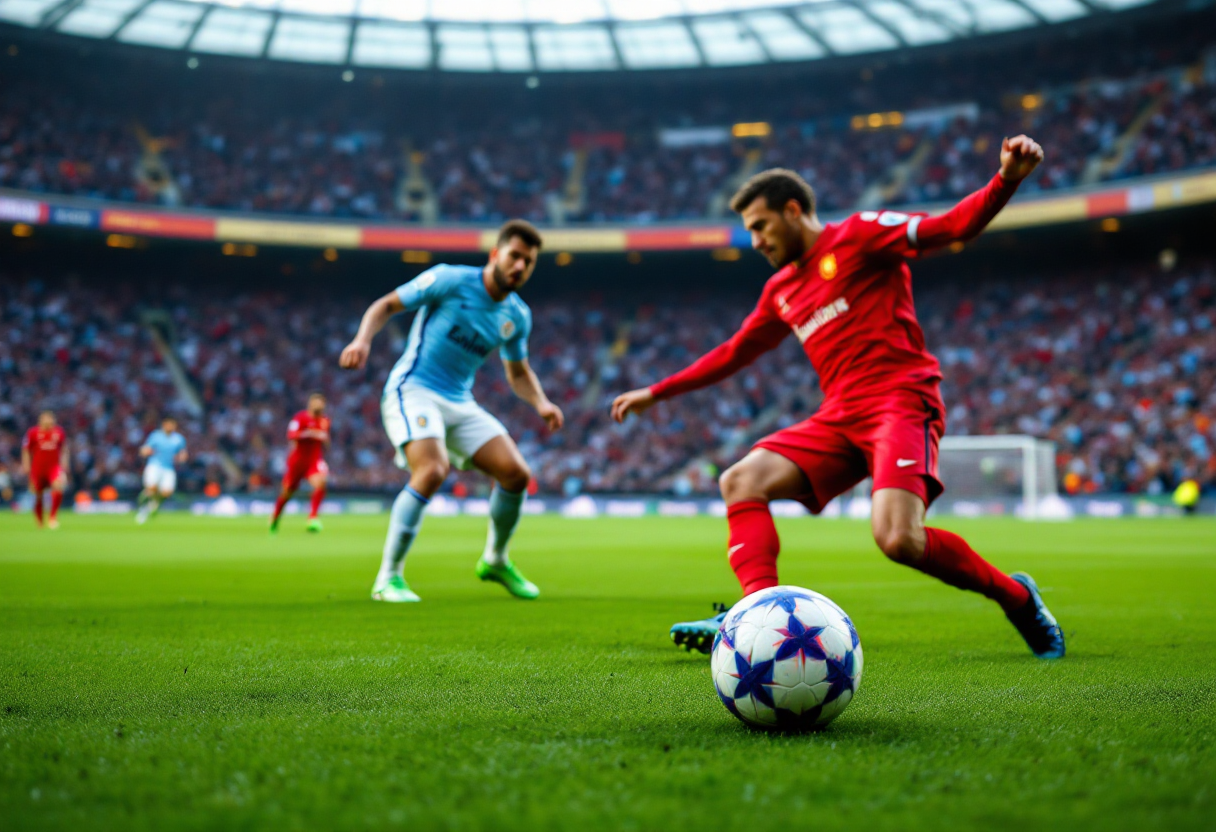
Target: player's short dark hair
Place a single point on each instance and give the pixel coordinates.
(316, 394)
(46, 412)
(778, 186)
(522, 229)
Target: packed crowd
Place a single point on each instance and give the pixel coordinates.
(1118, 369)
(212, 153)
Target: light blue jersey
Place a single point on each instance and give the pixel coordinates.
(165, 447)
(457, 326)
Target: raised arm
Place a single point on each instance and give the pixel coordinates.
(354, 357)
(760, 333)
(1019, 156)
(526, 385)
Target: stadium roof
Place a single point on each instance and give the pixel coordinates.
(542, 35)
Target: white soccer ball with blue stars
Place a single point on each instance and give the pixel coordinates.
(786, 658)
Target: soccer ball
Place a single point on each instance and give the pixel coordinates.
(786, 658)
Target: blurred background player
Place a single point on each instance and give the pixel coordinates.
(44, 459)
(465, 313)
(845, 290)
(6, 485)
(308, 433)
(164, 449)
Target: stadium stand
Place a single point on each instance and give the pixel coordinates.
(1118, 368)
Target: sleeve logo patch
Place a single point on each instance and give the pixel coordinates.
(828, 266)
(507, 329)
(426, 281)
(421, 421)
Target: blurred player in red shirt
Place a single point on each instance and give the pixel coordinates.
(44, 459)
(308, 433)
(845, 291)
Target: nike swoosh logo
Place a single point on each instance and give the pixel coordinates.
(734, 549)
(904, 463)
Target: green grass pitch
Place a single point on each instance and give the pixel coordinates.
(197, 673)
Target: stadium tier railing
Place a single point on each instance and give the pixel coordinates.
(1131, 196)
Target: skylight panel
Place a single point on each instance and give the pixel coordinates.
(26, 12)
(392, 45)
(312, 40)
(913, 28)
(97, 18)
(331, 8)
(565, 11)
(649, 45)
(848, 30)
(510, 47)
(643, 9)
(954, 11)
(782, 38)
(464, 48)
(163, 23)
(1055, 10)
(727, 42)
(478, 11)
(230, 32)
(393, 9)
(999, 15)
(1122, 4)
(573, 48)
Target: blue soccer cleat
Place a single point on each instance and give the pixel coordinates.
(698, 635)
(1036, 623)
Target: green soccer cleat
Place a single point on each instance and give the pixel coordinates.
(510, 577)
(394, 591)
(274, 525)
(314, 525)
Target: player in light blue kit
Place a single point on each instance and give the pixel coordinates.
(164, 449)
(464, 314)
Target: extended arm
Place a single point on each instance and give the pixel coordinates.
(25, 460)
(526, 385)
(759, 334)
(354, 357)
(65, 458)
(1019, 156)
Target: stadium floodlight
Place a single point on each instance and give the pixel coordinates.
(979, 468)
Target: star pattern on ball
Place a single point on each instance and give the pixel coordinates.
(753, 679)
(839, 677)
(800, 639)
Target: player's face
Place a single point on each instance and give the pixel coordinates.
(46, 421)
(775, 234)
(514, 261)
(169, 425)
(316, 405)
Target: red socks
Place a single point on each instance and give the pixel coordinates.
(318, 494)
(949, 559)
(38, 507)
(753, 545)
(56, 501)
(278, 506)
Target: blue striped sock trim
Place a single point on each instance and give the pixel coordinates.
(418, 496)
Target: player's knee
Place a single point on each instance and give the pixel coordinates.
(902, 544)
(738, 482)
(516, 479)
(427, 478)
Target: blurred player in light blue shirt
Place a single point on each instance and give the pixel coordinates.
(164, 449)
(465, 313)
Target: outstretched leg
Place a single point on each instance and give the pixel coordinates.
(429, 466)
(748, 487)
(318, 482)
(898, 523)
(38, 492)
(501, 459)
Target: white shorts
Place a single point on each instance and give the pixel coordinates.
(414, 413)
(162, 479)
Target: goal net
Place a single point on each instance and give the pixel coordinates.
(1016, 471)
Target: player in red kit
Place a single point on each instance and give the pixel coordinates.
(44, 459)
(845, 291)
(308, 432)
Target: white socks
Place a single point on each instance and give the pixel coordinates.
(404, 520)
(504, 517)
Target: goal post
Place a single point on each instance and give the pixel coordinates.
(1000, 468)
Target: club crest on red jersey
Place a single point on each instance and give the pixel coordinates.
(828, 266)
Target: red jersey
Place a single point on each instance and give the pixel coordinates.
(848, 299)
(45, 447)
(307, 449)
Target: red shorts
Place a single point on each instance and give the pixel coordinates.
(41, 478)
(302, 469)
(892, 438)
